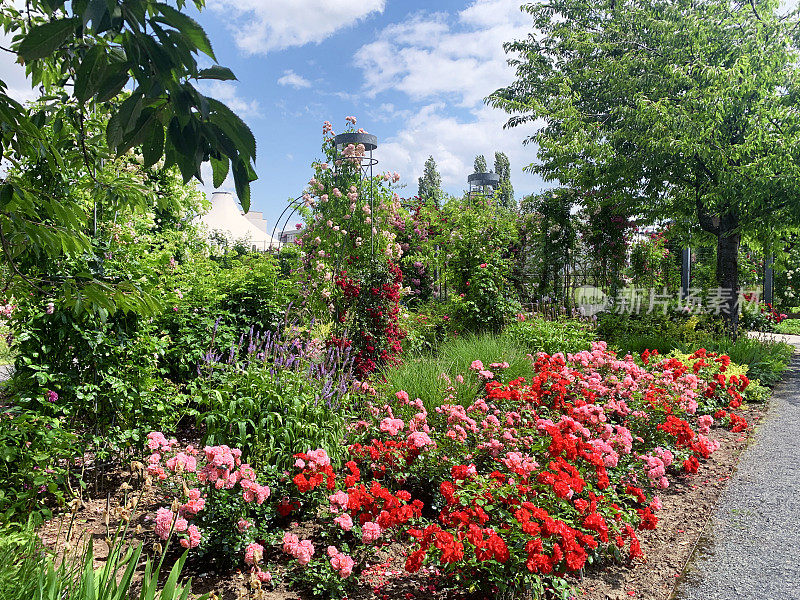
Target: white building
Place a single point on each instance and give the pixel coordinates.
(227, 218)
(288, 236)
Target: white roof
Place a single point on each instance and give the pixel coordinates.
(226, 216)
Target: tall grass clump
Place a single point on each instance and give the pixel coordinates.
(29, 571)
(427, 376)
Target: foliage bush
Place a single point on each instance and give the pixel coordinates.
(656, 331)
(271, 414)
(35, 451)
(478, 240)
(6, 354)
(540, 335)
(106, 372)
(766, 361)
(425, 328)
(788, 326)
(653, 264)
(216, 301)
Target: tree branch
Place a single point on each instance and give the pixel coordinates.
(13, 265)
(707, 222)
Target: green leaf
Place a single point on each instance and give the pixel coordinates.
(45, 39)
(220, 169)
(168, 593)
(92, 67)
(120, 121)
(188, 27)
(233, 126)
(115, 79)
(97, 13)
(241, 180)
(216, 72)
(153, 147)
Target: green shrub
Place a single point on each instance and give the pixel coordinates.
(540, 335)
(270, 416)
(34, 452)
(107, 372)
(424, 329)
(6, 355)
(635, 333)
(216, 302)
(766, 361)
(788, 326)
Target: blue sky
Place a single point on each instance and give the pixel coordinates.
(413, 73)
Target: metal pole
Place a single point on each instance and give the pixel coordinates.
(769, 279)
(686, 266)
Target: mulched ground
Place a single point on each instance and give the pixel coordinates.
(687, 505)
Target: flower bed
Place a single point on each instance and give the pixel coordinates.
(530, 483)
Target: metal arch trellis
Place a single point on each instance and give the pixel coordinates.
(365, 163)
(294, 205)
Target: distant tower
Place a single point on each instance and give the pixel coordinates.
(482, 185)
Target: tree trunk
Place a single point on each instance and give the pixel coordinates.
(728, 239)
(728, 272)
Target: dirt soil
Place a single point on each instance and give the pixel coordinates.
(687, 505)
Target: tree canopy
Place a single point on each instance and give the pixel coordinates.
(688, 109)
(115, 76)
(505, 191)
(430, 184)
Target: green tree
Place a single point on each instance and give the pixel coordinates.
(686, 109)
(551, 239)
(83, 55)
(505, 191)
(430, 184)
(480, 164)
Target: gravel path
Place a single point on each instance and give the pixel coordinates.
(749, 548)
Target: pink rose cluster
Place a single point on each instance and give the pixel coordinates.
(317, 460)
(302, 550)
(157, 441)
(704, 423)
(252, 556)
(164, 525)
(370, 532)
(392, 426)
(345, 521)
(341, 563)
(223, 469)
(338, 501)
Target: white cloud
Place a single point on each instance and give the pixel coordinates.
(13, 74)
(454, 143)
(436, 59)
(433, 54)
(294, 80)
(228, 93)
(261, 26)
